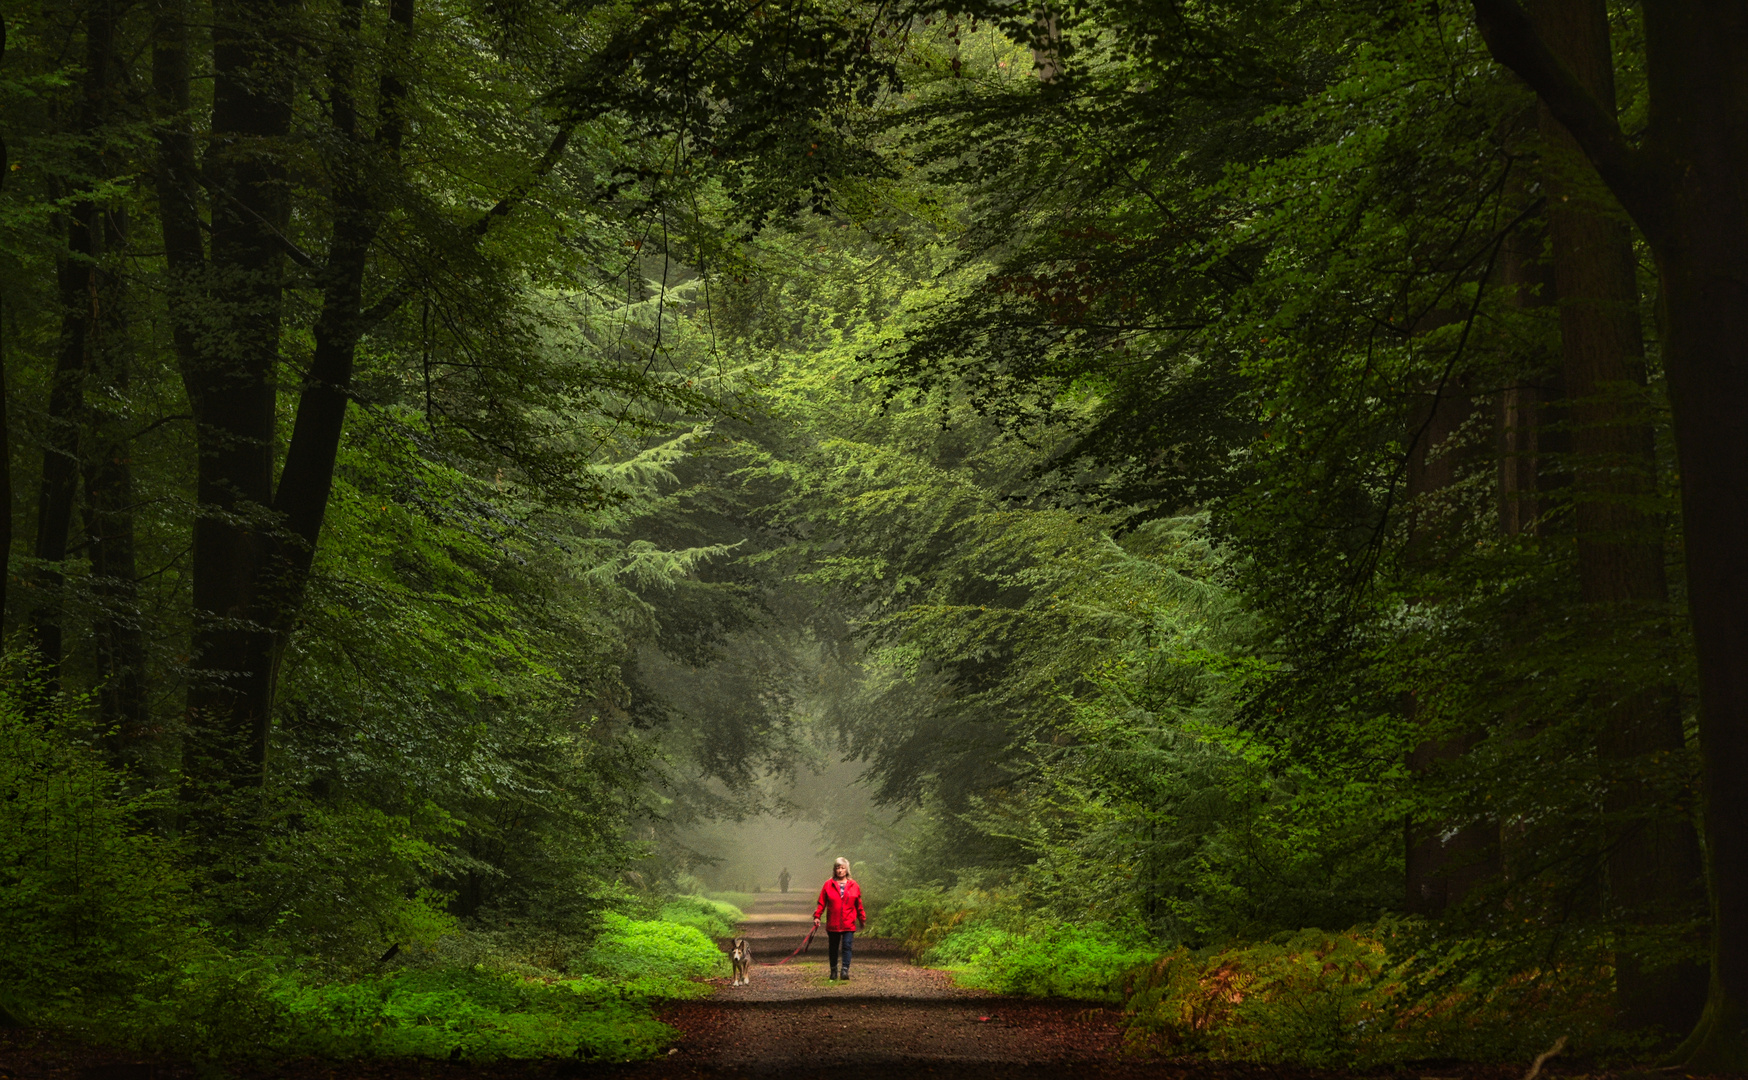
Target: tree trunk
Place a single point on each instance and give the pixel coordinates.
(1521, 418)
(5, 466)
(109, 520)
(1441, 865)
(301, 501)
(230, 374)
(1683, 186)
(1520, 451)
(81, 277)
(1440, 870)
(5, 427)
(1705, 303)
(1698, 61)
(57, 491)
(1654, 870)
(253, 557)
(1046, 45)
(86, 436)
(253, 553)
(1654, 867)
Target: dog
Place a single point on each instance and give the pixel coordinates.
(740, 950)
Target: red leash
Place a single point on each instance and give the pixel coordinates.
(805, 942)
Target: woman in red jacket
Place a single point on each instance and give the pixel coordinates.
(840, 900)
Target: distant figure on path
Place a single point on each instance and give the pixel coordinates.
(783, 880)
(840, 900)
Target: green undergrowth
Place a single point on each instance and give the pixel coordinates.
(110, 939)
(740, 900)
(1382, 994)
(655, 958)
(715, 917)
(992, 943)
(1083, 962)
(600, 1009)
(226, 1010)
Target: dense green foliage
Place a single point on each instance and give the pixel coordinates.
(408, 726)
(714, 918)
(1146, 441)
(999, 948)
(1364, 997)
(1152, 430)
(106, 947)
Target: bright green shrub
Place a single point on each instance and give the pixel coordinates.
(654, 959)
(483, 1014)
(210, 1005)
(1055, 961)
(714, 918)
(262, 1006)
(103, 939)
(231, 1008)
(91, 902)
(484, 1011)
(342, 884)
(989, 940)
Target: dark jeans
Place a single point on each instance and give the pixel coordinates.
(837, 940)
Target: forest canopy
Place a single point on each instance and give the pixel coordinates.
(1242, 487)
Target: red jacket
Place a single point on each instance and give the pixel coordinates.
(843, 912)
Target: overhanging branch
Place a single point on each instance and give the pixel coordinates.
(548, 160)
(391, 301)
(1513, 40)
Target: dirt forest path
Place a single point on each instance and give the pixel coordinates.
(891, 1018)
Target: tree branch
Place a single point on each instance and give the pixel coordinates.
(286, 244)
(1512, 38)
(392, 300)
(548, 161)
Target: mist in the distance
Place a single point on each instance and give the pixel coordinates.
(830, 814)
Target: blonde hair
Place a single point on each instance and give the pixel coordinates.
(840, 861)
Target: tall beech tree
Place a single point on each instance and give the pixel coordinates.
(5, 414)
(1442, 863)
(105, 459)
(1654, 865)
(225, 303)
(1680, 179)
(88, 297)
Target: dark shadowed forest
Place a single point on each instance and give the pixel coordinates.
(1231, 509)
